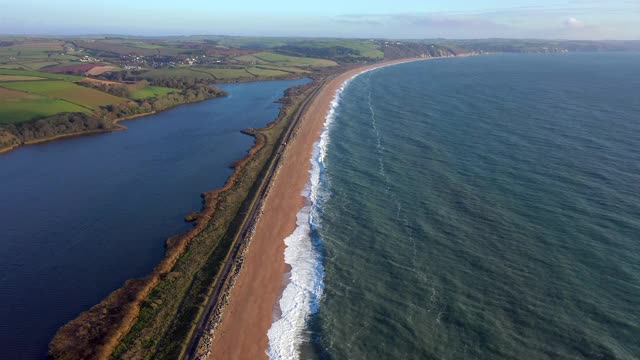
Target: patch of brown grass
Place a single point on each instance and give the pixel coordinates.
(19, 78)
(8, 94)
(98, 70)
(99, 81)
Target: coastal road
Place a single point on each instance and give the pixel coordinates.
(244, 232)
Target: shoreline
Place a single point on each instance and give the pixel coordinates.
(120, 127)
(115, 123)
(125, 301)
(116, 314)
(253, 300)
(139, 288)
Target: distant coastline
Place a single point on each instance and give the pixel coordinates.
(140, 76)
(248, 313)
(123, 305)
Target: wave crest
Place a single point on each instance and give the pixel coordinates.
(301, 297)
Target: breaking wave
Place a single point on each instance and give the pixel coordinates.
(303, 253)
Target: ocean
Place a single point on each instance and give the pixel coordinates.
(472, 208)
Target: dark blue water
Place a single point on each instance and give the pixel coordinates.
(483, 208)
(80, 216)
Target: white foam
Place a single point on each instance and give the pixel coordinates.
(302, 295)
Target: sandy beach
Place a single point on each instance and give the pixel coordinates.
(247, 317)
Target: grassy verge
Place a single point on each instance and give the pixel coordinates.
(150, 92)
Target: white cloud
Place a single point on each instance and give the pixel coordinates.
(574, 23)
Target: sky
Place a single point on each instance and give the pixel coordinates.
(401, 19)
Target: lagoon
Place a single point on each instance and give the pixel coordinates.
(79, 216)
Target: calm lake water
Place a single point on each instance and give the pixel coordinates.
(79, 216)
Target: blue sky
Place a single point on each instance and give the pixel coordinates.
(566, 19)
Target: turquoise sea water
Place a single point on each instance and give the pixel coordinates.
(481, 208)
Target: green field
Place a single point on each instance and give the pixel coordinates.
(293, 60)
(247, 42)
(150, 92)
(40, 74)
(200, 73)
(366, 48)
(11, 66)
(266, 57)
(63, 57)
(30, 50)
(252, 60)
(36, 65)
(257, 71)
(64, 90)
(19, 78)
(18, 107)
(143, 45)
(130, 46)
(226, 74)
(34, 54)
(175, 73)
(288, 69)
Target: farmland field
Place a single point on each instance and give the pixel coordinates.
(251, 59)
(128, 47)
(40, 74)
(64, 90)
(143, 45)
(16, 106)
(102, 69)
(27, 50)
(226, 74)
(19, 78)
(199, 73)
(74, 68)
(150, 92)
(257, 71)
(11, 66)
(63, 57)
(366, 48)
(288, 69)
(293, 60)
(38, 64)
(115, 48)
(175, 73)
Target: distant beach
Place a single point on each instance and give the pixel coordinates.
(249, 314)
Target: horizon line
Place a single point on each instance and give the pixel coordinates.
(306, 37)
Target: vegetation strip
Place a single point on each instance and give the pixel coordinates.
(197, 346)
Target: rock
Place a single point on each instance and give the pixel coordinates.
(192, 217)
